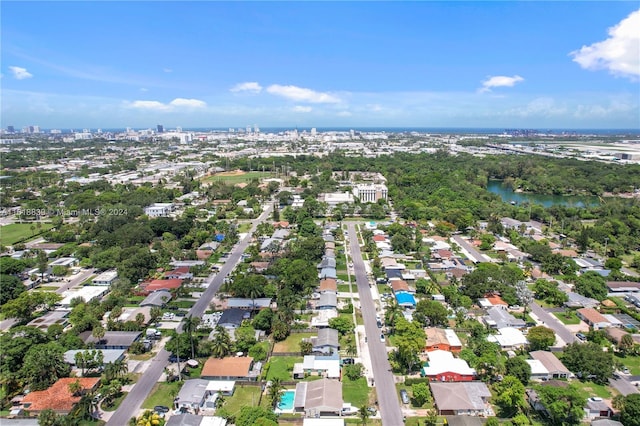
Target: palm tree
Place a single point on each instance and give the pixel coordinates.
(393, 312)
(190, 325)
(221, 343)
(275, 392)
(363, 413)
(75, 388)
(351, 349)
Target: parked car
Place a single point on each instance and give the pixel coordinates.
(404, 396)
(581, 336)
(382, 338)
(348, 361)
(161, 409)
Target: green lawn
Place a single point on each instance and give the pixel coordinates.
(356, 392)
(116, 403)
(162, 393)
(15, 232)
(247, 396)
(281, 367)
(344, 288)
(589, 389)
(232, 180)
(567, 317)
(631, 362)
(292, 343)
(244, 227)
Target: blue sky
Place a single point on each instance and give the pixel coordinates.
(219, 64)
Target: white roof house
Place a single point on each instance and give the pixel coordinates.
(508, 338)
(538, 370)
(87, 293)
(106, 278)
(444, 362)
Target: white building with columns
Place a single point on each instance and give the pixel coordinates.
(370, 193)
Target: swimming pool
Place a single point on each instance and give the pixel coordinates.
(286, 401)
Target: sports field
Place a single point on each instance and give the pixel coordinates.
(11, 234)
(236, 176)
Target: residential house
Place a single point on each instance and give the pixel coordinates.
(327, 262)
(444, 367)
(405, 299)
(106, 278)
(593, 318)
(231, 368)
(327, 341)
(328, 273)
(180, 273)
(156, 299)
(554, 366)
(596, 408)
(461, 399)
(188, 419)
(312, 365)
(400, 285)
(319, 398)
(259, 267)
(159, 209)
(617, 287)
(508, 338)
(232, 318)
(538, 370)
(108, 355)
(442, 339)
(498, 317)
(327, 300)
(200, 394)
(112, 339)
(328, 285)
(155, 285)
(579, 301)
(58, 397)
(248, 304)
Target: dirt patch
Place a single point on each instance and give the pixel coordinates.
(231, 173)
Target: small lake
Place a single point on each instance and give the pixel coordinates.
(509, 196)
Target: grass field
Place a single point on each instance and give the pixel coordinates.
(356, 392)
(247, 396)
(163, 394)
(236, 177)
(589, 389)
(568, 317)
(292, 343)
(281, 367)
(11, 234)
(631, 362)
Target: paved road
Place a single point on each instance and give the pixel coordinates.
(623, 386)
(132, 403)
(553, 323)
(384, 381)
(77, 280)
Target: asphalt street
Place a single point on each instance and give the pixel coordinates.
(132, 403)
(388, 402)
(553, 323)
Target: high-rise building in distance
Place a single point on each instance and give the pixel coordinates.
(160, 128)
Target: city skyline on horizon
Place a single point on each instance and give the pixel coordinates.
(363, 64)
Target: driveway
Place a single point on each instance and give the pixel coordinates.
(384, 380)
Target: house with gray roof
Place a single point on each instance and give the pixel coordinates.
(327, 262)
(112, 339)
(158, 298)
(327, 301)
(327, 341)
(244, 303)
(461, 398)
(498, 317)
(319, 398)
(328, 273)
(232, 318)
(108, 355)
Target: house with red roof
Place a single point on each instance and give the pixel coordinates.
(58, 397)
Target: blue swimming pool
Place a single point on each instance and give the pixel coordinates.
(286, 400)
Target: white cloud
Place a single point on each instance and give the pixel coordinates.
(144, 89)
(620, 53)
(344, 114)
(167, 70)
(249, 86)
(187, 103)
(178, 103)
(302, 94)
(300, 108)
(499, 81)
(20, 73)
